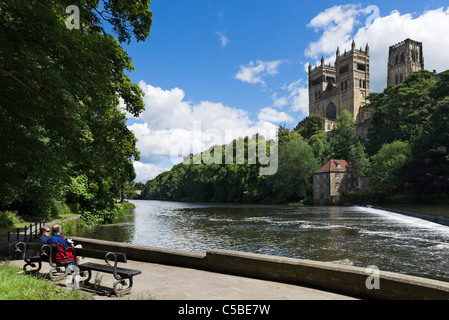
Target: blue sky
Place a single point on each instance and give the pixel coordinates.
(230, 65)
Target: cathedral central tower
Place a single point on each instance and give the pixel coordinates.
(344, 86)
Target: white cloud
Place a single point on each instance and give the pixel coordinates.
(429, 28)
(223, 39)
(340, 24)
(297, 97)
(255, 71)
(337, 23)
(272, 115)
(147, 171)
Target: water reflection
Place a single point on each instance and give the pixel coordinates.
(356, 236)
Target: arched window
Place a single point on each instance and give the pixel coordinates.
(331, 111)
(397, 59)
(402, 56)
(397, 79)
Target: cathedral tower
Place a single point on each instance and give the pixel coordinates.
(344, 86)
(404, 58)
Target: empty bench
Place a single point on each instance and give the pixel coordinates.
(121, 275)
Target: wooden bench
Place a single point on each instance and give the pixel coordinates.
(85, 268)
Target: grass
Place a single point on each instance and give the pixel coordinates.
(14, 286)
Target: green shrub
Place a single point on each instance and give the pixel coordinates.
(8, 219)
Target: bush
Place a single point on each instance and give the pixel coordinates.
(8, 219)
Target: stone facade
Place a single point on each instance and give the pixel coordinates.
(344, 86)
(404, 58)
(331, 180)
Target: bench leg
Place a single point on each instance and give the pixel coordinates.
(32, 266)
(120, 286)
(83, 274)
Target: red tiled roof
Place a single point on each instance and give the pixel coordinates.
(332, 165)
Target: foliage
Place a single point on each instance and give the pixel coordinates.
(343, 136)
(390, 166)
(8, 219)
(360, 161)
(293, 179)
(402, 112)
(64, 136)
(315, 125)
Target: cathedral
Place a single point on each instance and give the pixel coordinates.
(346, 85)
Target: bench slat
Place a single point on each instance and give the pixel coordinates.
(108, 269)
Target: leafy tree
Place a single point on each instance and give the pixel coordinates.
(293, 180)
(64, 133)
(390, 166)
(343, 136)
(321, 146)
(402, 112)
(360, 162)
(430, 173)
(314, 125)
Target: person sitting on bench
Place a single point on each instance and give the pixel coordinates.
(44, 235)
(58, 239)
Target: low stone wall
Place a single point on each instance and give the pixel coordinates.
(330, 277)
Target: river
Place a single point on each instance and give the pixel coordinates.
(356, 236)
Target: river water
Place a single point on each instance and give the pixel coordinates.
(356, 236)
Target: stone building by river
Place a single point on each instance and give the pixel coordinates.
(334, 178)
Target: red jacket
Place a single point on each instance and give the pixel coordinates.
(62, 244)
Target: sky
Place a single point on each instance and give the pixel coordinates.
(215, 70)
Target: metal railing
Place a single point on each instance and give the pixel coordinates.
(28, 232)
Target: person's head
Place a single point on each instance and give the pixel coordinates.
(57, 229)
(45, 231)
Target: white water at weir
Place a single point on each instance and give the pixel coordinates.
(356, 236)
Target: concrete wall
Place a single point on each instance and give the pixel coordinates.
(331, 277)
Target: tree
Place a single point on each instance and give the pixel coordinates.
(59, 100)
(314, 125)
(321, 147)
(343, 136)
(360, 163)
(402, 112)
(293, 180)
(390, 166)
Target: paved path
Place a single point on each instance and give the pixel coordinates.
(162, 282)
